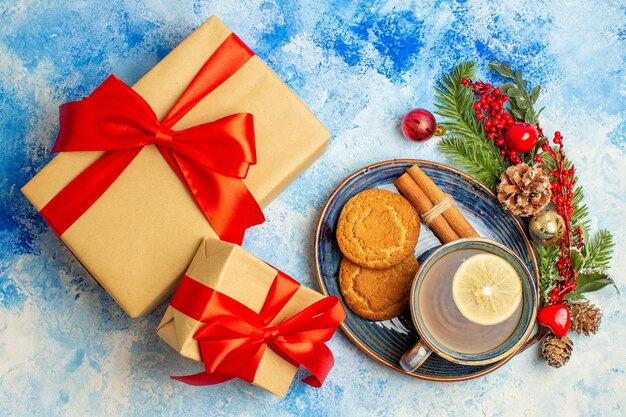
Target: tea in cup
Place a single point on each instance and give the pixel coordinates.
(473, 302)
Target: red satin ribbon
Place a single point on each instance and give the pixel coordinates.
(233, 338)
(211, 159)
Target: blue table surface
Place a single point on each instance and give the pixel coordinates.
(67, 349)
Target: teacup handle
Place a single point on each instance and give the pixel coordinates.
(415, 357)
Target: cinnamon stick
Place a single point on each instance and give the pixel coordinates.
(422, 203)
(453, 216)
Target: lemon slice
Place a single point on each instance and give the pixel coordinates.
(486, 289)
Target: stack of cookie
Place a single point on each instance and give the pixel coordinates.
(377, 233)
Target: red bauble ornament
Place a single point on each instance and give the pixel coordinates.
(520, 137)
(556, 317)
(418, 125)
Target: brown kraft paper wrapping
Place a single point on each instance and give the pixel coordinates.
(138, 238)
(231, 270)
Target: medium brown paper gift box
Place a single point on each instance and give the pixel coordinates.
(233, 271)
(140, 235)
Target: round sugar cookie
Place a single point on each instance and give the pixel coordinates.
(377, 294)
(377, 229)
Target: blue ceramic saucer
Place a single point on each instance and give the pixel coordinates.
(386, 341)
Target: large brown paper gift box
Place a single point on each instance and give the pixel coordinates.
(140, 235)
(233, 271)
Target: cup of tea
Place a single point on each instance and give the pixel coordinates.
(473, 302)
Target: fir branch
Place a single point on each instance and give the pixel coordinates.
(455, 101)
(547, 270)
(476, 156)
(466, 144)
(580, 216)
(598, 250)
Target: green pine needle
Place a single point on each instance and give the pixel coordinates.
(547, 269)
(581, 211)
(599, 250)
(466, 144)
(477, 156)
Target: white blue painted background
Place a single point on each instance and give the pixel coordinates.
(67, 349)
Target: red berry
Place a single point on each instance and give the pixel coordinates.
(464, 81)
(491, 136)
(480, 116)
(477, 105)
(496, 91)
(499, 142)
(503, 152)
(538, 158)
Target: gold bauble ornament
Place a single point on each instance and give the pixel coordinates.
(546, 227)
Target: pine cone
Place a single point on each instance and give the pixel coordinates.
(524, 190)
(586, 318)
(556, 351)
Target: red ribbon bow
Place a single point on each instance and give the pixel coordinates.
(211, 159)
(233, 338)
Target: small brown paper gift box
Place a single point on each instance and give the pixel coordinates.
(138, 238)
(231, 270)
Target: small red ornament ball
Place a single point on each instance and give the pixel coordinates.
(520, 137)
(556, 317)
(418, 125)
